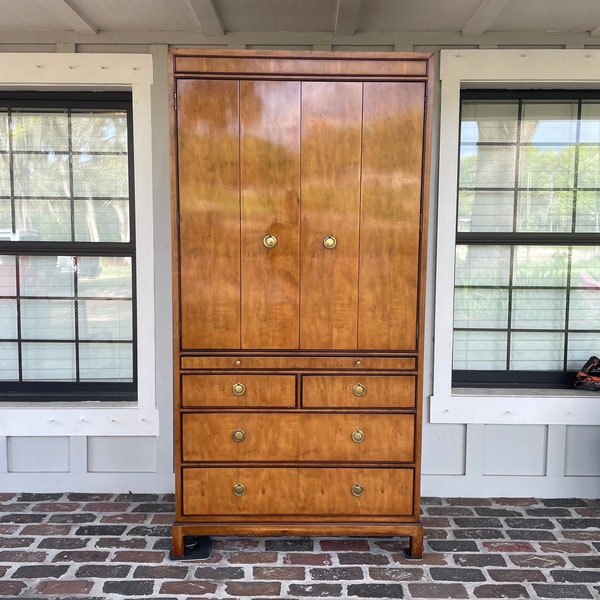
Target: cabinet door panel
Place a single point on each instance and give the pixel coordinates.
(270, 196)
(391, 208)
(330, 192)
(209, 222)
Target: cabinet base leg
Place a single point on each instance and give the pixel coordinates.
(191, 547)
(415, 548)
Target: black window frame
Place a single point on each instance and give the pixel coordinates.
(77, 391)
(467, 378)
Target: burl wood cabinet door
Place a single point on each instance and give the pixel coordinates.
(299, 212)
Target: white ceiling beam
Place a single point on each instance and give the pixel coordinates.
(346, 17)
(207, 16)
(73, 19)
(595, 30)
(484, 16)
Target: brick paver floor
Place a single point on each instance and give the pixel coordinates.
(75, 546)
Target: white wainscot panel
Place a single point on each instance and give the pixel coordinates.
(515, 449)
(38, 454)
(444, 449)
(582, 454)
(121, 454)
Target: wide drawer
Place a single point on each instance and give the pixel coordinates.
(303, 491)
(352, 391)
(244, 437)
(237, 390)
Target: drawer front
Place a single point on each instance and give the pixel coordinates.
(237, 390)
(356, 391)
(304, 491)
(239, 437)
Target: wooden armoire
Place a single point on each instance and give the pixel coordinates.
(300, 190)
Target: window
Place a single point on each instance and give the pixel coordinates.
(527, 268)
(67, 247)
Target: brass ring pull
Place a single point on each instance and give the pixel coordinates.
(358, 389)
(239, 489)
(329, 242)
(239, 389)
(358, 436)
(358, 489)
(239, 435)
(270, 241)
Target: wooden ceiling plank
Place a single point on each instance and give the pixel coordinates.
(346, 17)
(207, 16)
(484, 16)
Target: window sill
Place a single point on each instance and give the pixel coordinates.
(91, 419)
(516, 406)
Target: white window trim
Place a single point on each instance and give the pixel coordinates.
(133, 72)
(551, 69)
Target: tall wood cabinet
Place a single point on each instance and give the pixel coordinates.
(299, 230)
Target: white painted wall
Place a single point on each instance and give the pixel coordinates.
(539, 455)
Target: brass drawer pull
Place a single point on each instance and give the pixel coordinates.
(239, 435)
(358, 489)
(358, 389)
(329, 242)
(270, 241)
(239, 389)
(358, 436)
(239, 489)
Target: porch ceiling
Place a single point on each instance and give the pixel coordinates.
(61, 19)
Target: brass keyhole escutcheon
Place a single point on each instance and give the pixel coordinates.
(239, 435)
(239, 489)
(358, 389)
(329, 242)
(358, 489)
(358, 436)
(270, 241)
(239, 389)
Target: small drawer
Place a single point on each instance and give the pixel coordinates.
(356, 391)
(237, 390)
(301, 491)
(298, 437)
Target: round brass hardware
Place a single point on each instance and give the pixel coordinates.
(357, 363)
(270, 241)
(329, 242)
(239, 435)
(357, 489)
(239, 489)
(238, 363)
(358, 436)
(358, 389)
(239, 389)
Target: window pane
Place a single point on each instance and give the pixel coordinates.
(590, 122)
(482, 265)
(106, 362)
(581, 347)
(8, 319)
(45, 132)
(44, 219)
(548, 168)
(8, 276)
(47, 319)
(537, 351)
(584, 311)
(548, 211)
(3, 131)
(585, 266)
(482, 210)
(41, 176)
(486, 121)
(102, 220)
(105, 320)
(9, 361)
(481, 308)
(105, 277)
(545, 266)
(101, 176)
(47, 276)
(4, 178)
(587, 219)
(480, 350)
(99, 132)
(46, 361)
(488, 167)
(538, 309)
(549, 122)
